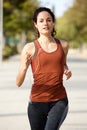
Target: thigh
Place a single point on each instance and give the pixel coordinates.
(36, 116)
(56, 115)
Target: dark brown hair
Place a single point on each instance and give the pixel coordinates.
(37, 11)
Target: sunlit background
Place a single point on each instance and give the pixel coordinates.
(16, 30)
(71, 23)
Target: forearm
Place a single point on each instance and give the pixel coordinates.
(66, 67)
(67, 72)
(20, 77)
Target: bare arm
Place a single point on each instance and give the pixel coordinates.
(25, 61)
(67, 72)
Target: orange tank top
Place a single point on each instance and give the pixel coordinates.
(48, 71)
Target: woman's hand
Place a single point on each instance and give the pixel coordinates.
(68, 73)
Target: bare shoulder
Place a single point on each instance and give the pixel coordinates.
(64, 43)
(65, 46)
(29, 48)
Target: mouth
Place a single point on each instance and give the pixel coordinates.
(46, 28)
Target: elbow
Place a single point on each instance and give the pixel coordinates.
(18, 83)
(19, 80)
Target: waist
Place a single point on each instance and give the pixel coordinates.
(65, 100)
(47, 93)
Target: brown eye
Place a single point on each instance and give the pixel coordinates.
(49, 20)
(41, 21)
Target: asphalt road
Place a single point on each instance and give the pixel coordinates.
(14, 100)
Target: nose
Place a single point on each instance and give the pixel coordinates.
(45, 22)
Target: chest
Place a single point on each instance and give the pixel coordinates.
(50, 48)
(51, 59)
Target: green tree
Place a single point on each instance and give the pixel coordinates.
(73, 24)
(17, 16)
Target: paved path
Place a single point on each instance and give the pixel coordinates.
(14, 101)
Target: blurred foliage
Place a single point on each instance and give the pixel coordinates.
(17, 16)
(9, 51)
(72, 26)
(17, 20)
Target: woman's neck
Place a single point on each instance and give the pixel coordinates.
(46, 39)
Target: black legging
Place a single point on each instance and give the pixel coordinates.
(47, 116)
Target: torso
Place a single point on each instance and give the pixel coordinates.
(47, 68)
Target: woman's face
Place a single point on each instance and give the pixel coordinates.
(44, 23)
